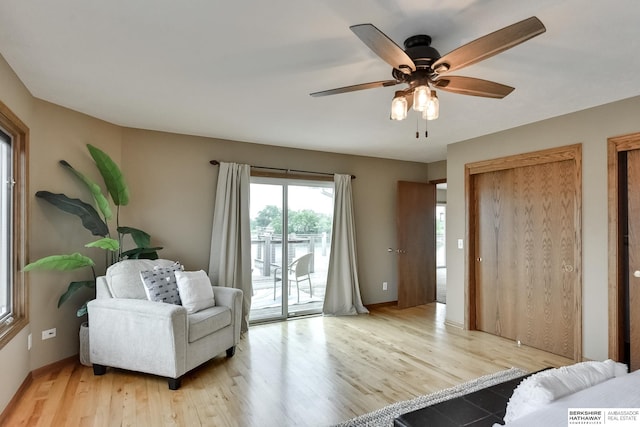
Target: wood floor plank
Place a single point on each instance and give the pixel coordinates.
(313, 372)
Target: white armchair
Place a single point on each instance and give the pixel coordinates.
(128, 331)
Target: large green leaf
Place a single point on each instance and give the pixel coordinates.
(88, 215)
(113, 178)
(105, 243)
(141, 253)
(141, 238)
(101, 201)
(75, 287)
(82, 310)
(60, 262)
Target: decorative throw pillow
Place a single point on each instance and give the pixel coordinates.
(195, 290)
(160, 284)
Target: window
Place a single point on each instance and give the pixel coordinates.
(6, 219)
(13, 191)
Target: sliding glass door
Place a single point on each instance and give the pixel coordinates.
(290, 245)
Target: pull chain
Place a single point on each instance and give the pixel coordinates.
(426, 131)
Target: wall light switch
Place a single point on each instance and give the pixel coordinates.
(460, 244)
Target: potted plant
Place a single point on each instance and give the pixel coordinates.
(98, 225)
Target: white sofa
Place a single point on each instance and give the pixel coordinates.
(128, 331)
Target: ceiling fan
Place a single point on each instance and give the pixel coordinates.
(421, 67)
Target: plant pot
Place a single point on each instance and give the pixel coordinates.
(84, 344)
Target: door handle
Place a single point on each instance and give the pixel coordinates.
(398, 251)
(636, 273)
(567, 268)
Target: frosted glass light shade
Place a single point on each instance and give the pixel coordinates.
(420, 98)
(399, 108)
(433, 107)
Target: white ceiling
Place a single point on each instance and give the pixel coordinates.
(243, 70)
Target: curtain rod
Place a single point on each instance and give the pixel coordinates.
(216, 162)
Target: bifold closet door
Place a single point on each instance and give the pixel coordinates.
(525, 254)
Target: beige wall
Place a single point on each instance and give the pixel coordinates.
(173, 187)
(58, 133)
(591, 128)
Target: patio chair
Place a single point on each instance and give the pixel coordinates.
(298, 270)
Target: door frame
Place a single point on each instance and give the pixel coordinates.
(569, 152)
(616, 145)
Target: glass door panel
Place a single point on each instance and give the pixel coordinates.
(310, 216)
(297, 286)
(266, 202)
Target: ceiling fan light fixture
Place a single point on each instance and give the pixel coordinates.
(399, 106)
(432, 111)
(421, 97)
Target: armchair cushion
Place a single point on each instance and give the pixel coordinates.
(208, 321)
(195, 290)
(123, 278)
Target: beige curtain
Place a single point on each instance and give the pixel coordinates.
(343, 289)
(230, 256)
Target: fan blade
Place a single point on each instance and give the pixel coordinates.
(472, 86)
(384, 47)
(489, 45)
(361, 86)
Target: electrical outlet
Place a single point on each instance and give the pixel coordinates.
(29, 341)
(384, 286)
(49, 333)
(460, 243)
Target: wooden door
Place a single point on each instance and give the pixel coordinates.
(495, 257)
(633, 218)
(416, 240)
(525, 254)
(623, 160)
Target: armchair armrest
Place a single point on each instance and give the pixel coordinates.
(232, 298)
(138, 335)
(102, 288)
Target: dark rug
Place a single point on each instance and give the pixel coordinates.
(384, 417)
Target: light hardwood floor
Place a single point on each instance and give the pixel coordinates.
(307, 372)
